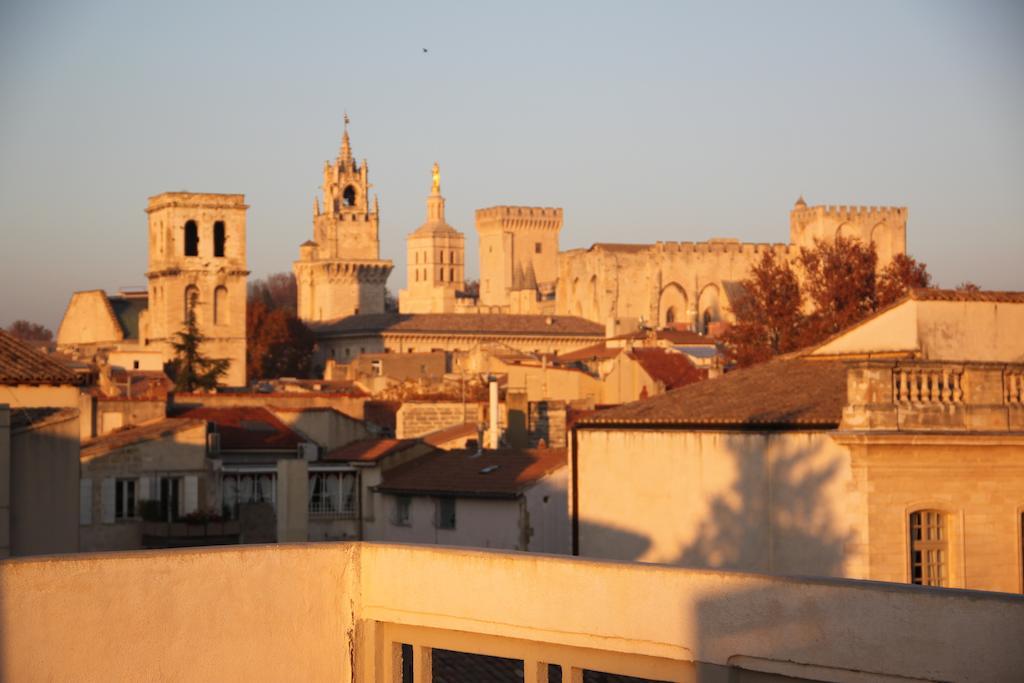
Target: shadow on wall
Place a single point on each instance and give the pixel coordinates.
(779, 515)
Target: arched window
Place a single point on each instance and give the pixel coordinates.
(220, 306)
(417, 258)
(191, 302)
(191, 238)
(417, 271)
(218, 239)
(440, 274)
(440, 255)
(349, 196)
(670, 315)
(451, 275)
(451, 257)
(929, 548)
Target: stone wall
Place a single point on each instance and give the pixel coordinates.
(416, 418)
(547, 423)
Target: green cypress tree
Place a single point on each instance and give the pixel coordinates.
(193, 370)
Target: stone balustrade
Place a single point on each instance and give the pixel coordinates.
(910, 395)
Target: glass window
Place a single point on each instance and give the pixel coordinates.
(445, 513)
(124, 507)
(929, 548)
(403, 511)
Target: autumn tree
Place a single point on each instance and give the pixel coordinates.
(769, 320)
(840, 285)
(839, 281)
(30, 332)
(968, 286)
(191, 369)
(899, 277)
(277, 290)
(278, 345)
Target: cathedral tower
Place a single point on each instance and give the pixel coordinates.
(340, 272)
(197, 259)
(436, 260)
(515, 241)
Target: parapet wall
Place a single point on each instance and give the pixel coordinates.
(519, 218)
(323, 612)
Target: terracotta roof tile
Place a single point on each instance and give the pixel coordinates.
(147, 431)
(247, 428)
(671, 368)
(367, 450)
(442, 436)
(779, 393)
(461, 323)
(493, 474)
(22, 364)
(991, 296)
(594, 352)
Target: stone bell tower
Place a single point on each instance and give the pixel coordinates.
(436, 260)
(197, 260)
(339, 272)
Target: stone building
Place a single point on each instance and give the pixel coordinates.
(694, 283)
(197, 262)
(340, 272)
(518, 253)
(436, 261)
(892, 452)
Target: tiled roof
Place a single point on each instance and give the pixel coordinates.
(779, 393)
(929, 294)
(671, 368)
(22, 364)
(593, 352)
(247, 428)
(367, 450)
(147, 431)
(493, 474)
(443, 436)
(626, 248)
(460, 323)
(25, 418)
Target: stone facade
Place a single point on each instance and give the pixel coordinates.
(693, 283)
(340, 272)
(518, 252)
(197, 259)
(436, 261)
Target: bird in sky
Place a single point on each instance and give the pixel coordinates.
(424, 50)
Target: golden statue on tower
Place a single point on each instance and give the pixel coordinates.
(437, 178)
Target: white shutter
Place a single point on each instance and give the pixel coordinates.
(108, 500)
(85, 501)
(145, 488)
(191, 493)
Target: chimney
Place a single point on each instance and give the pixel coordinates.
(492, 440)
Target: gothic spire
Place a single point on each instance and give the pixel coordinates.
(346, 147)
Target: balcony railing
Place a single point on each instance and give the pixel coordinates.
(910, 395)
(369, 612)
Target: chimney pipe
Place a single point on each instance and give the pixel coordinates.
(493, 427)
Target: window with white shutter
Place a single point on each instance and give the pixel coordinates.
(191, 494)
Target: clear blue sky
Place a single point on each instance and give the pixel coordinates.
(644, 121)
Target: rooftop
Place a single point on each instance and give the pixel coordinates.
(793, 392)
(247, 428)
(22, 364)
(367, 450)
(460, 323)
(672, 368)
(493, 474)
(128, 436)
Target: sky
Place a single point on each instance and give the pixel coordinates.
(644, 121)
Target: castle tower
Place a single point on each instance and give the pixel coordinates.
(340, 272)
(197, 258)
(517, 239)
(886, 226)
(436, 260)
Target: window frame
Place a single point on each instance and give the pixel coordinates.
(402, 504)
(123, 512)
(441, 520)
(919, 524)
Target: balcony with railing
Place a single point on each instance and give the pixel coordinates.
(370, 612)
(931, 396)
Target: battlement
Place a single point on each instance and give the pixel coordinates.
(197, 200)
(520, 218)
(851, 213)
